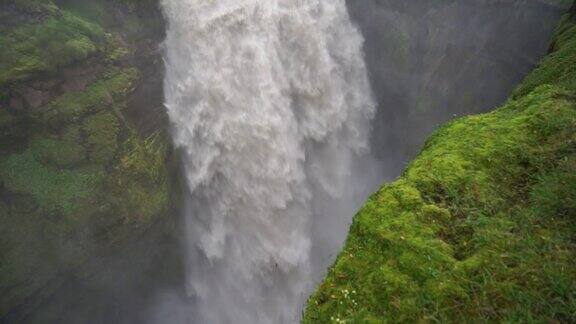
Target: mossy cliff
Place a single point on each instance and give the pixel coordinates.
(83, 149)
(481, 226)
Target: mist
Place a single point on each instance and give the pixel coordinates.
(432, 61)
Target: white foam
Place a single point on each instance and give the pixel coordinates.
(271, 103)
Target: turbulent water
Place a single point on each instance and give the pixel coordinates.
(271, 105)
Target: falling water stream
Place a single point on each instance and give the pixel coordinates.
(271, 106)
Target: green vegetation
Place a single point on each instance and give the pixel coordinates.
(115, 49)
(62, 38)
(57, 191)
(104, 93)
(57, 153)
(140, 178)
(75, 176)
(135, 192)
(102, 136)
(481, 226)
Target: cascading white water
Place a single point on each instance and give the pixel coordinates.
(271, 105)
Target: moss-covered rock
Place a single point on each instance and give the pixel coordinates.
(76, 177)
(137, 189)
(102, 132)
(57, 191)
(110, 90)
(57, 41)
(480, 227)
(57, 153)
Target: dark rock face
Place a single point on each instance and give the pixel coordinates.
(77, 78)
(145, 107)
(87, 198)
(12, 15)
(431, 61)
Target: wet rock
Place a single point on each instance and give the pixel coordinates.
(432, 60)
(16, 104)
(77, 78)
(145, 107)
(8, 123)
(34, 98)
(22, 204)
(12, 14)
(47, 85)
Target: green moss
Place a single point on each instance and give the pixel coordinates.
(110, 90)
(141, 178)
(480, 227)
(102, 137)
(72, 134)
(61, 39)
(555, 192)
(57, 153)
(116, 50)
(71, 184)
(136, 191)
(144, 159)
(58, 192)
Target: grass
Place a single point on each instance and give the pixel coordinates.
(136, 191)
(480, 227)
(140, 178)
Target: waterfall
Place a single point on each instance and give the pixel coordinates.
(271, 106)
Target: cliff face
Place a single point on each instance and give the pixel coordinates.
(430, 61)
(84, 154)
(480, 227)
